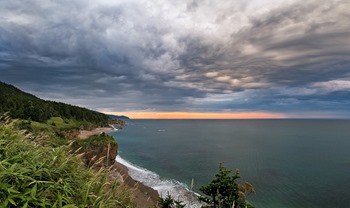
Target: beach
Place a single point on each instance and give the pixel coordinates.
(84, 134)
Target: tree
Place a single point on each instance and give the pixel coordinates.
(224, 192)
(169, 202)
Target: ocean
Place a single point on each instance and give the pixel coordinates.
(291, 163)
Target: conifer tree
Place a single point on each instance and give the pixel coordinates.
(224, 192)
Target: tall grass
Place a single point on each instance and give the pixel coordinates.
(33, 175)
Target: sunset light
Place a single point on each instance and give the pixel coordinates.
(199, 115)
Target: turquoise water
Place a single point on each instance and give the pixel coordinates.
(291, 163)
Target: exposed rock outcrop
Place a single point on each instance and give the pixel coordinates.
(117, 123)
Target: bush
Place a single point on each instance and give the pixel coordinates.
(24, 124)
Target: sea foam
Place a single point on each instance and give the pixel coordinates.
(176, 189)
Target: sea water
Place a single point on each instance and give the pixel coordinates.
(291, 163)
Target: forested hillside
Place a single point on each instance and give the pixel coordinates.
(26, 106)
(118, 117)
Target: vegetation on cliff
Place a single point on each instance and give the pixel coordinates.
(44, 164)
(34, 174)
(98, 150)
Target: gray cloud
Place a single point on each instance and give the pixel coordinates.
(197, 55)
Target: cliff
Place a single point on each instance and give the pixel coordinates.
(100, 151)
(97, 150)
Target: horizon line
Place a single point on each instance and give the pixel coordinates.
(199, 115)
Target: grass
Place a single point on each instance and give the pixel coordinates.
(36, 175)
(40, 127)
(65, 124)
(93, 141)
(56, 130)
(53, 124)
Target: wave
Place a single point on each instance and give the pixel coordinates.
(176, 189)
(114, 128)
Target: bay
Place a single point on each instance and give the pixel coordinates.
(291, 163)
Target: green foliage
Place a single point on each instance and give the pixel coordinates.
(41, 132)
(225, 192)
(23, 124)
(93, 141)
(32, 175)
(26, 106)
(40, 127)
(66, 124)
(56, 127)
(169, 202)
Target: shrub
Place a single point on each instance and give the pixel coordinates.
(24, 124)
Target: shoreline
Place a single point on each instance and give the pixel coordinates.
(144, 196)
(162, 186)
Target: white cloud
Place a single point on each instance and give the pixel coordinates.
(224, 78)
(334, 85)
(211, 74)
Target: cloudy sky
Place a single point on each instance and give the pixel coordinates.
(286, 58)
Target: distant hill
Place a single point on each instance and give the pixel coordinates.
(118, 117)
(26, 106)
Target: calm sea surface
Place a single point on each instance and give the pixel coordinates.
(291, 163)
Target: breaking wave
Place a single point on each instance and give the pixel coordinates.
(176, 189)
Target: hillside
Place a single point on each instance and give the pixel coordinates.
(26, 106)
(34, 173)
(118, 117)
(47, 163)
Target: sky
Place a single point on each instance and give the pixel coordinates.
(182, 59)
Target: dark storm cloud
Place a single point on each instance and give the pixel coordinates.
(171, 56)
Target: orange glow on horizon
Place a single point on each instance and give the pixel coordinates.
(199, 115)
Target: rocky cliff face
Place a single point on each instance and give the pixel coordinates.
(117, 123)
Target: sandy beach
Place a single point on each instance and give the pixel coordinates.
(84, 134)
